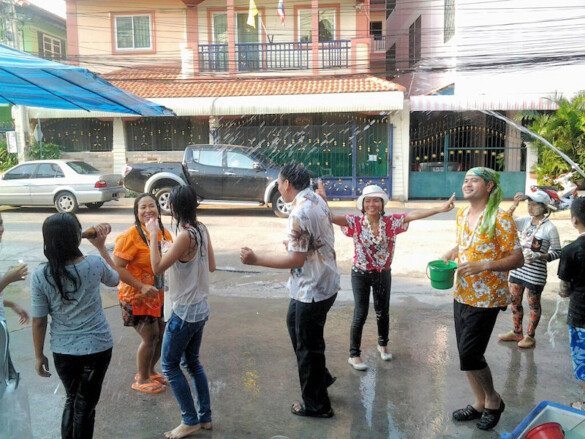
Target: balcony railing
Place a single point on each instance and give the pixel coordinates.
(256, 57)
(379, 44)
(213, 57)
(334, 53)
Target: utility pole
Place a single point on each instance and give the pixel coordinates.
(10, 33)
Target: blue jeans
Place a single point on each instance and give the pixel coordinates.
(362, 282)
(181, 343)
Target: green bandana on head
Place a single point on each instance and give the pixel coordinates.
(489, 217)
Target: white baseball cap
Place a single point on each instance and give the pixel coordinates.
(374, 192)
(540, 197)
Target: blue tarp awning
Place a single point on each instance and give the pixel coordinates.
(34, 82)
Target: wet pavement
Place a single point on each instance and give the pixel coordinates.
(252, 369)
(253, 377)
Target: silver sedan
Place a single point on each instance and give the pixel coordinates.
(65, 184)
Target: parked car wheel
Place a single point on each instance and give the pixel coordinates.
(163, 196)
(279, 207)
(65, 202)
(94, 206)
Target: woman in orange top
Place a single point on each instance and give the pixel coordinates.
(140, 294)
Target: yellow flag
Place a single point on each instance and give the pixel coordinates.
(252, 12)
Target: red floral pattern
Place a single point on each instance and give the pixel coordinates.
(369, 255)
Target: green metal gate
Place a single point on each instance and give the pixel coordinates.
(444, 145)
(346, 154)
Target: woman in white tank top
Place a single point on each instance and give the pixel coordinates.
(189, 261)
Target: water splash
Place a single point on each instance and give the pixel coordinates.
(525, 130)
(556, 324)
(367, 394)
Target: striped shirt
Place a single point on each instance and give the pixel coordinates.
(545, 240)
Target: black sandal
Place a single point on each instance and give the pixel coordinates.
(491, 417)
(467, 414)
(302, 411)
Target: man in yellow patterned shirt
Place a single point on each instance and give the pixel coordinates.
(487, 248)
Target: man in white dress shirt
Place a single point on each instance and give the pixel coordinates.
(313, 284)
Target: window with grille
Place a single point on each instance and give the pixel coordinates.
(376, 30)
(50, 47)
(414, 42)
(327, 25)
(133, 32)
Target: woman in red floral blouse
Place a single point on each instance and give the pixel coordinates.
(374, 234)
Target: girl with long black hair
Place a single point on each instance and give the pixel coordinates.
(67, 287)
(140, 295)
(189, 261)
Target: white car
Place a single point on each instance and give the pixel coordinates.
(65, 184)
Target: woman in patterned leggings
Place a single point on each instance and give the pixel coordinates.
(540, 244)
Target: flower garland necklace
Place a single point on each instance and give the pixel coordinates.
(466, 239)
(376, 238)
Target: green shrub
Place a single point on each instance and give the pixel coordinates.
(565, 129)
(50, 151)
(7, 160)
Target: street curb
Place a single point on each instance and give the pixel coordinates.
(350, 204)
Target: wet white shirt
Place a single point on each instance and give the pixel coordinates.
(189, 284)
(310, 230)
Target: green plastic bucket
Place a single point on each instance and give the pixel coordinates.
(441, 274)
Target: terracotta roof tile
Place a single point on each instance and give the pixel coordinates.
(165, 82)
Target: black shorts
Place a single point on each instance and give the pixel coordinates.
(473, 329)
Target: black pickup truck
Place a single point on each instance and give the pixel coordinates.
(220, 174)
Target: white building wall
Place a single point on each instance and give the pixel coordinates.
(119, 146)
(527, 47)
(272, 27)
(400, 119)
(100, 160)
(434, 50)
(518, 46)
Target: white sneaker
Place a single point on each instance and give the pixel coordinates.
(386, 356)
(357, 366)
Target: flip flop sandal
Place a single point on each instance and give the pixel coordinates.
(149, 387)
(156, 377)
(302, 411)
(160, 378)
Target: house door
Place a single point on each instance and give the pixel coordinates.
(248, 49)
(218, 57)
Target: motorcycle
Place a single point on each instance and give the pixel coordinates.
(561, 200)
